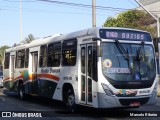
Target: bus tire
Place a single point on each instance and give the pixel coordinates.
(21, 92)
(70, 100)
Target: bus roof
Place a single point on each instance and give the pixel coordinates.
(55, 38)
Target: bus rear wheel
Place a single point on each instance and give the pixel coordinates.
(70, 100)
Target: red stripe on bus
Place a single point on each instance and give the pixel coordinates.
(7, 79)
(49, 76)
(31, 76)
(18, 77)
(11, 78)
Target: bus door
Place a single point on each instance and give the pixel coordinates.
(86, 65)
(12, 69)
(12, 66)
(34, 72)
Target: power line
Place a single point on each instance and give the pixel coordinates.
(18, 1)
(78, 5)
(66, 3)
(101, 8)
(46, 11)
(132, 3)
(83, 5)
(84, 8)
(72, 4)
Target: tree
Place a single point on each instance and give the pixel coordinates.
(2, 49)
(133, 19)
(29, 39)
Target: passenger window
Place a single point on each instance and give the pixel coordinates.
(90, 62)
(69, 52)
(7, 60)
(95, 63)
(83, 50)
(20, 59)
(43, 56)
(26, 58)
(54, 55)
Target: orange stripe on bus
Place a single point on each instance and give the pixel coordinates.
(31, 76)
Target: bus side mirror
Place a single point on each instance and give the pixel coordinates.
(98, 45)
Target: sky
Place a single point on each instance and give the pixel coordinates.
(42, 18)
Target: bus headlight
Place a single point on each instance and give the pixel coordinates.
(155, 89)
(107, 90)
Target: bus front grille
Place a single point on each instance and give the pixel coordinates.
(127, 102)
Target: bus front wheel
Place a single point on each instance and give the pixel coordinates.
(70, 101)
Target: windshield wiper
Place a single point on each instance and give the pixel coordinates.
(122, 50)
(140, 52)
(124, 53)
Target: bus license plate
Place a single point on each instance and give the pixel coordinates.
(135, 104)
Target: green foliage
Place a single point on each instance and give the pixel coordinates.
(2, 49)
(29, 39)
(110, 22)
(133, 19)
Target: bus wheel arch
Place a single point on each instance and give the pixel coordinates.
(69, 97)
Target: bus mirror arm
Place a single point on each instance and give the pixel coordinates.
(99, 48)
(99, 51)
(96, 39)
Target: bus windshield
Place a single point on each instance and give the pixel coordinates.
(128, 62)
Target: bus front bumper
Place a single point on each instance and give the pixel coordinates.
(105, 101)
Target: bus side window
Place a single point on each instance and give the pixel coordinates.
(6, 61)
(95, 64)
(54, 54)
(83, 60)
(92, 62)
(69, 52)
(26, 58)
(43, 56)
(20, 59)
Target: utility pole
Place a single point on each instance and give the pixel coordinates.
(20, 9)
(156, 18)
(93, 13)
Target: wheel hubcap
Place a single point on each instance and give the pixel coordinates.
(71, 100)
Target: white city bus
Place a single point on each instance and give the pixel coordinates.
(96, 67)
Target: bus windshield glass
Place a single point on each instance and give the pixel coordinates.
(128, 62)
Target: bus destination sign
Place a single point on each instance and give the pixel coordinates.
(119, 34)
